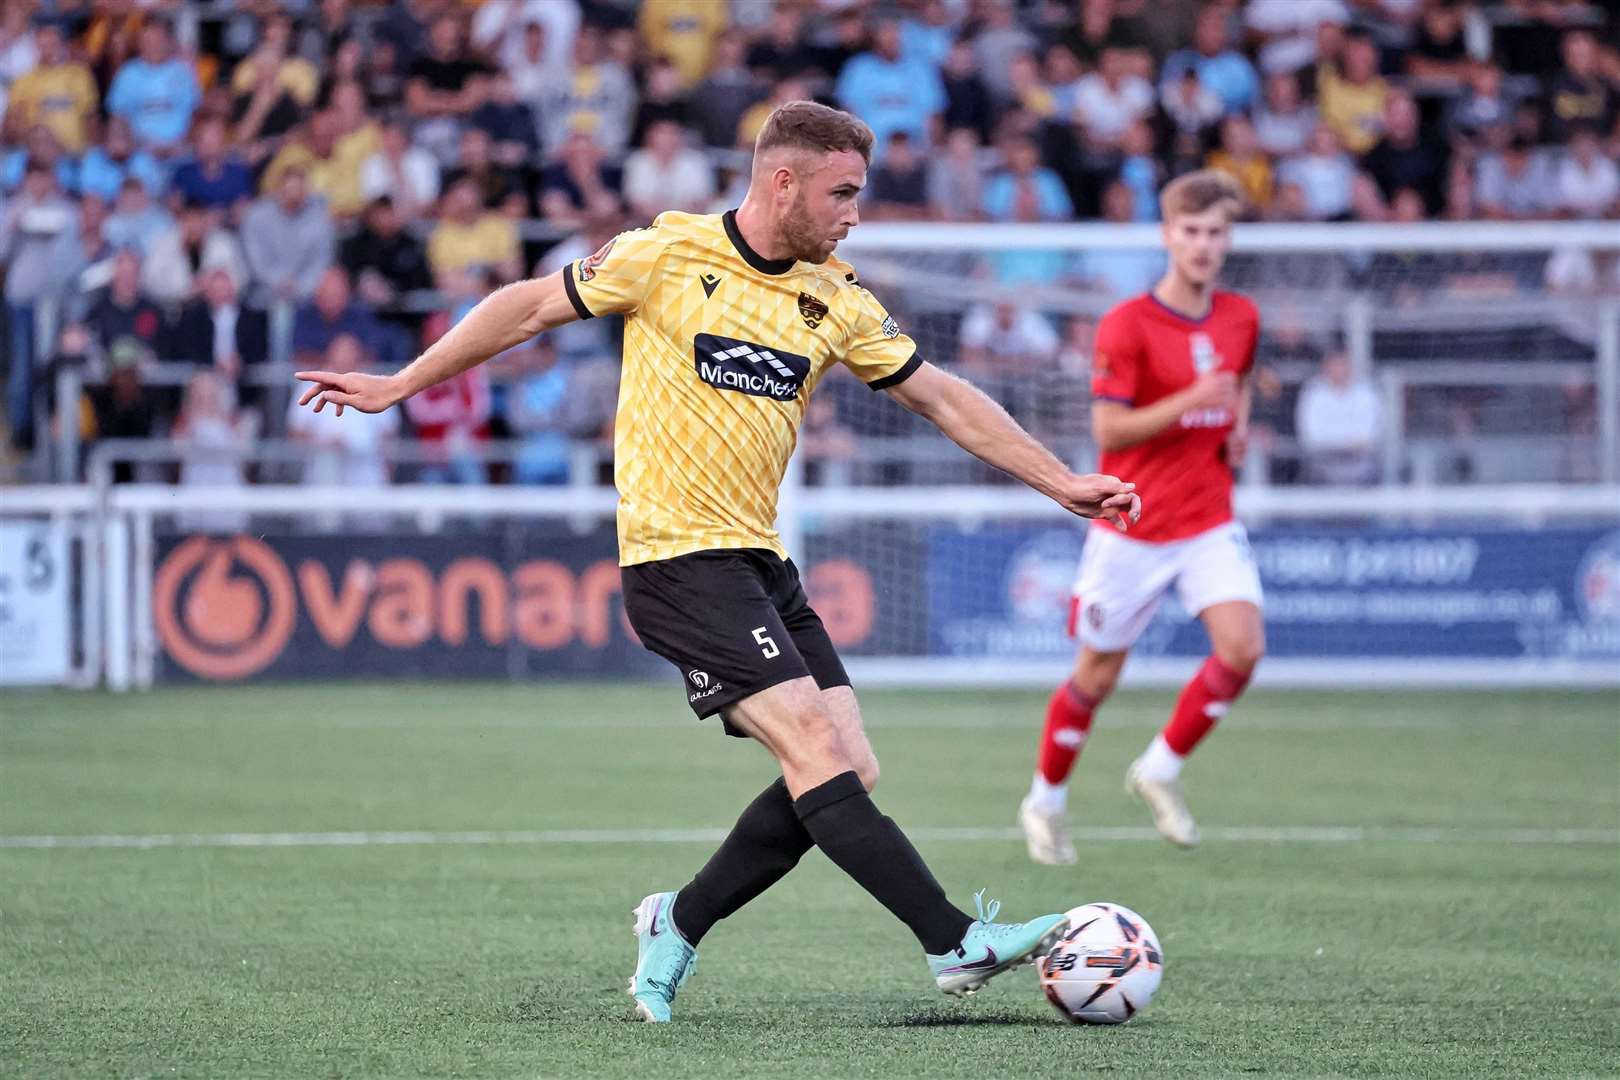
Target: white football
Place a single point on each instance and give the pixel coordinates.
(1106, 968)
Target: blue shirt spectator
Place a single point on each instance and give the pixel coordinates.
(1026, 191)
(156, 92)
(928, 39)
(105, 168)
(890, 92)
(212, 176)
(1221, 70)
(15, 163)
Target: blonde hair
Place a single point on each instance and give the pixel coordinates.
(1195, 192)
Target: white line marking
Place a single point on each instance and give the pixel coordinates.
(1251, 834)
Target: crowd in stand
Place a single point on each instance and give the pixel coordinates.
(336, 183)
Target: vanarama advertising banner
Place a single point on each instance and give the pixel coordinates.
(515, 602)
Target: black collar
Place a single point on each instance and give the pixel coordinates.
(750, 256)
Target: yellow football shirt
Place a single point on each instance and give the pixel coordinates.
(722, 349)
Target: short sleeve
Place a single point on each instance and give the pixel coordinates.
(1117, 365)
(877, 352)
(617, 278)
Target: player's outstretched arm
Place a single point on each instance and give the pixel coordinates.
(982, 428)
(509, 316)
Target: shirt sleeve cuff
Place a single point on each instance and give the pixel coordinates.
(895, 378)
(573, 293)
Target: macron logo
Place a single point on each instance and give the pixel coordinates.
(749, 368)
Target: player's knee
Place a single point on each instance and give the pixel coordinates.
(1242, 655)
(1096, 674)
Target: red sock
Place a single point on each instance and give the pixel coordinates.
(1203, 701)
(1068, 722)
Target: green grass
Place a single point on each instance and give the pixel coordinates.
(1390, 955)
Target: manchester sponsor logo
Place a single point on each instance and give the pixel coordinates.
(749, 368)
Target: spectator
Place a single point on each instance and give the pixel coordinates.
(214, 176)
(1403, 158)
(39, 246)
(1284, 122)
(928, 34)
(499, 188)
(385, 260)
(214, 329)
(332, 312)
(1517, 184)
(121, 311)
(967, 99)
(451, 421)
(1460, 202)
(1026, 190)
(748, 128)
(596, 96)
(1289, 30)
(1351, 95)
(1029, 90)
(1111, 99)
(347, 450)
(1140, 171)
(109, 39)
(667, 174)
(1120, 273)
(579, 182)
(287, 240)
(272, 89)
(547, 403)
(213, 437)
(125, 407)
(1324, 174)
(444, 85)
(526, 58)
(106, 167)
(59, 92)
(1000, 38)
(1439, 54)
(383, 78)
(1481, 109)
(726, 93)
(956, 179)
(683, 31)
(890, 92)
(156, 92)
(18, 51)
(1578, 94)
(43, 150)
(1220, 69)
(1005, 338)
(511, 125)
(406, 174)
(782, 52)
(897, 188)
(1240, 157)
(1193, 112)
(1338, 421)
(136, 221)
(467, 236)
(1588, 181)
(505, 28)
(1063, 71)
(317, 153)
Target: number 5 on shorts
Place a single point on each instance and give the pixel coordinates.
(766, 645)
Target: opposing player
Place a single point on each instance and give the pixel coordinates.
(731, 320)
(1170, 410)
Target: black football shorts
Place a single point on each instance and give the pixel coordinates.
(734, 622)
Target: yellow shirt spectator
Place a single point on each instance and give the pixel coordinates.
(1354, 110)
(296, 76)
(488, 240)
(1252, 173)
(61, 96)
(684, 31)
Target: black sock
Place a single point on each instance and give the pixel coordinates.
(846, 825)
(767, 841)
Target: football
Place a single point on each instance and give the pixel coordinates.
(1106, 968)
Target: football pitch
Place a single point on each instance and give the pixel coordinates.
(436, 880)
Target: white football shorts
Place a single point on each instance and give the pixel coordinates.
(1122, 581)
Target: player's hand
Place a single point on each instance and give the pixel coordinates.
(1237, 447)
(348, 389)
(1213, 390)
(1106, 497)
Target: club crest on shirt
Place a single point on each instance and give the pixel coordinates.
(588, 265)
(812, 309)
(1204, 357)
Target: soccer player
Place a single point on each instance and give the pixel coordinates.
(1170, 409)
(730, 322)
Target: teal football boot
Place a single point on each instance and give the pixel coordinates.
(989, 948)
(663, 958)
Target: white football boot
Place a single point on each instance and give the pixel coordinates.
(1169, 806)
(1046, 833)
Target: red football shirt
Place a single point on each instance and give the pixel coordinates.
(1147, 351)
